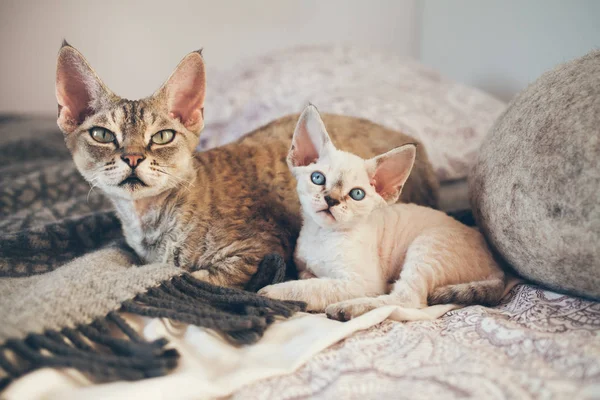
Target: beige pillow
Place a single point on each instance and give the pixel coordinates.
(449, 118)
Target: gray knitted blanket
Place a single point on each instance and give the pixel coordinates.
(65, 274)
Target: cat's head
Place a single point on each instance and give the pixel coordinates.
(336, 188)
(131, 148)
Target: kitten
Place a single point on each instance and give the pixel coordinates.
(216, 213)
(357, 251)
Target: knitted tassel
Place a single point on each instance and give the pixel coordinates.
(93, 349)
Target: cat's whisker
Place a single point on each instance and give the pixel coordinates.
(87, 200)
(93, 184)
(178, 180)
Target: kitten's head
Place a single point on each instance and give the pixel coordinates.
(336, 188)
(130, 148)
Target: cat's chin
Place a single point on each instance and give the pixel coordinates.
(132, 191)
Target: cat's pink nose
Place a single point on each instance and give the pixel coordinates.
(133, 159)
(331, 201)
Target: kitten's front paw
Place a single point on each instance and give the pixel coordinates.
(279, 291)
(346, 310)
(297, 291)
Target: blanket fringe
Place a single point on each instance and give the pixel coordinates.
(109, 349)
(92, 349)
(241, 316)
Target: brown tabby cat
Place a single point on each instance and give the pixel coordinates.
(219, 212)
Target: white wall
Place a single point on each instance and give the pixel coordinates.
(496, 45)
(134, 45)
(502, 45)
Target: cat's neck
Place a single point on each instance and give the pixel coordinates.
(145, 221)
(134, 210)
(142, 207)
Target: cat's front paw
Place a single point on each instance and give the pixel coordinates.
(201, 274)
(346, 310)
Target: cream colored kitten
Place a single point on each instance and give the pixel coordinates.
(357, 251)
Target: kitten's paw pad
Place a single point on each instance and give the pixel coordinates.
(346, 310)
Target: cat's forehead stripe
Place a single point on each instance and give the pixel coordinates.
(131, 113)
(124, 111)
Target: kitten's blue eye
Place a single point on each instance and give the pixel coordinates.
(317, 178)
(357, 194)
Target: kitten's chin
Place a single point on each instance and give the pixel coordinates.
(329, 220)
(326, 215)
(324, 218)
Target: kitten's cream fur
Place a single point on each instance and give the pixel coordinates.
(355, 256)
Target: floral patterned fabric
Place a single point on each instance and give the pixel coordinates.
(536, 344)
(449, 118)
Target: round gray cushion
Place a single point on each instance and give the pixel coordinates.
(535, 187)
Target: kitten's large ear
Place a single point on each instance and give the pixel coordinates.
(185, 90)
(79, 91)
(389, 171)
(311, 140)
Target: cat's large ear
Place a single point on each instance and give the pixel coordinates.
(389, 171)
(185, 90)
(79, 91)
(311, 140)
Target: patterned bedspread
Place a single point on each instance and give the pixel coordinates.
(536, 344)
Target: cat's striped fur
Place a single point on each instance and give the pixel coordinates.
(218, 212)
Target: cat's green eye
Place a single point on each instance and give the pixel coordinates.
(357, 194)
(163, 137)
(102, 135)
(317, 178)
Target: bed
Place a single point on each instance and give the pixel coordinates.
(535, 344)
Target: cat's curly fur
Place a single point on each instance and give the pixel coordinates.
(218, 212)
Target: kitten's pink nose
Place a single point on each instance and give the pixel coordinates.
(331, 201)
(133, 159)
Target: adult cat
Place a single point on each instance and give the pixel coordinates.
(216, 213)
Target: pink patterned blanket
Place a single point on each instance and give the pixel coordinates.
(536, 345)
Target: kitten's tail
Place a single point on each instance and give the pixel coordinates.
(486, 293)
